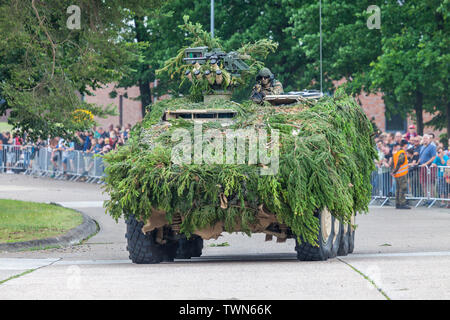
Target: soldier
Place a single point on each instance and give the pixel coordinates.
(400, 173)
(266, 85)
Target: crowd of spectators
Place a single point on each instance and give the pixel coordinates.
(422, 151)
(426, 156)
(15, 148)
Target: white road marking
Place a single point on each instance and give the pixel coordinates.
(82, 204)
(400, 254)
(90, 262)
(10, 188)
(22, 264)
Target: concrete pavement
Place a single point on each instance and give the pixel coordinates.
(398, 255)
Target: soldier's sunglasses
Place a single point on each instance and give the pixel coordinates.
(266, 77)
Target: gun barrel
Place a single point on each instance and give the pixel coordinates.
(195, 59)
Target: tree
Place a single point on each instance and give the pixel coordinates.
(413, 66)
(236, 22)
(407, 59)
(348, 45)
(45, 65)
(140, 32)
(155, 31)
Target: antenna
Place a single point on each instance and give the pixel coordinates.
(212, 18)
(320, 22)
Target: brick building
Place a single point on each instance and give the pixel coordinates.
(126, 100)
(372, 104)
(374, 107)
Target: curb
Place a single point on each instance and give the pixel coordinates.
(71, 237)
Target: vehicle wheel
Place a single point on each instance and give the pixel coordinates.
(189, 248)
(197, 246)
(143, 248)
(344, 244)
(336, 237)
(308, 252)
(351, 235)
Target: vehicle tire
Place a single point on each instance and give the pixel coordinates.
(188, 248)
(344, 244)
(143, 248)
(308, 252)
(351, 235)
(197, 246)
(336, 237)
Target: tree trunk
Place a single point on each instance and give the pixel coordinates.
(146, 96)
(144, 84)
(418, 107)
(448, 120)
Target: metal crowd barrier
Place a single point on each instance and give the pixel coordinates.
(426, 185)
(57, 164)
(14, 158)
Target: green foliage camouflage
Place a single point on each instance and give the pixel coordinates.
(325, 159)
(252, 52)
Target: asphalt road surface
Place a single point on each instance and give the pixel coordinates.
(399, 254)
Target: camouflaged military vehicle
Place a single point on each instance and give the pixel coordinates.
(296, 167)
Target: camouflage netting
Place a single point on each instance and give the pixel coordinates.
(252, 54)
(326, 156)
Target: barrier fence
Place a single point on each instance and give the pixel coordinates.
(425, 184)
(45, 161)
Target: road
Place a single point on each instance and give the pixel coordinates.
(399, 254)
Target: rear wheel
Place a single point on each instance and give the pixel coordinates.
(197, 247)
(308, 252)
(344, 244)
(337, 235)
(188, 248)
(143, 248)
(351, 235)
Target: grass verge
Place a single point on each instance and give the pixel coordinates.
(24, 221)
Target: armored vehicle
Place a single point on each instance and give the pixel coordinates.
(298, 166)
(171, 207)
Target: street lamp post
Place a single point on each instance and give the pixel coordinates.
(212, 18)
(320, 22)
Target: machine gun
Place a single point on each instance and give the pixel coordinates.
(293, 97)
(232, 61)
(258, 96)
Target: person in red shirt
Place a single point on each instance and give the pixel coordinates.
(411, 132)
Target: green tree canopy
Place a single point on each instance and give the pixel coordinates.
(413, 69)
(236, 23)
(43, 63)
(45, 66)
(406, 59)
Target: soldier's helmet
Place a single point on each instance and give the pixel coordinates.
(264, 72)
